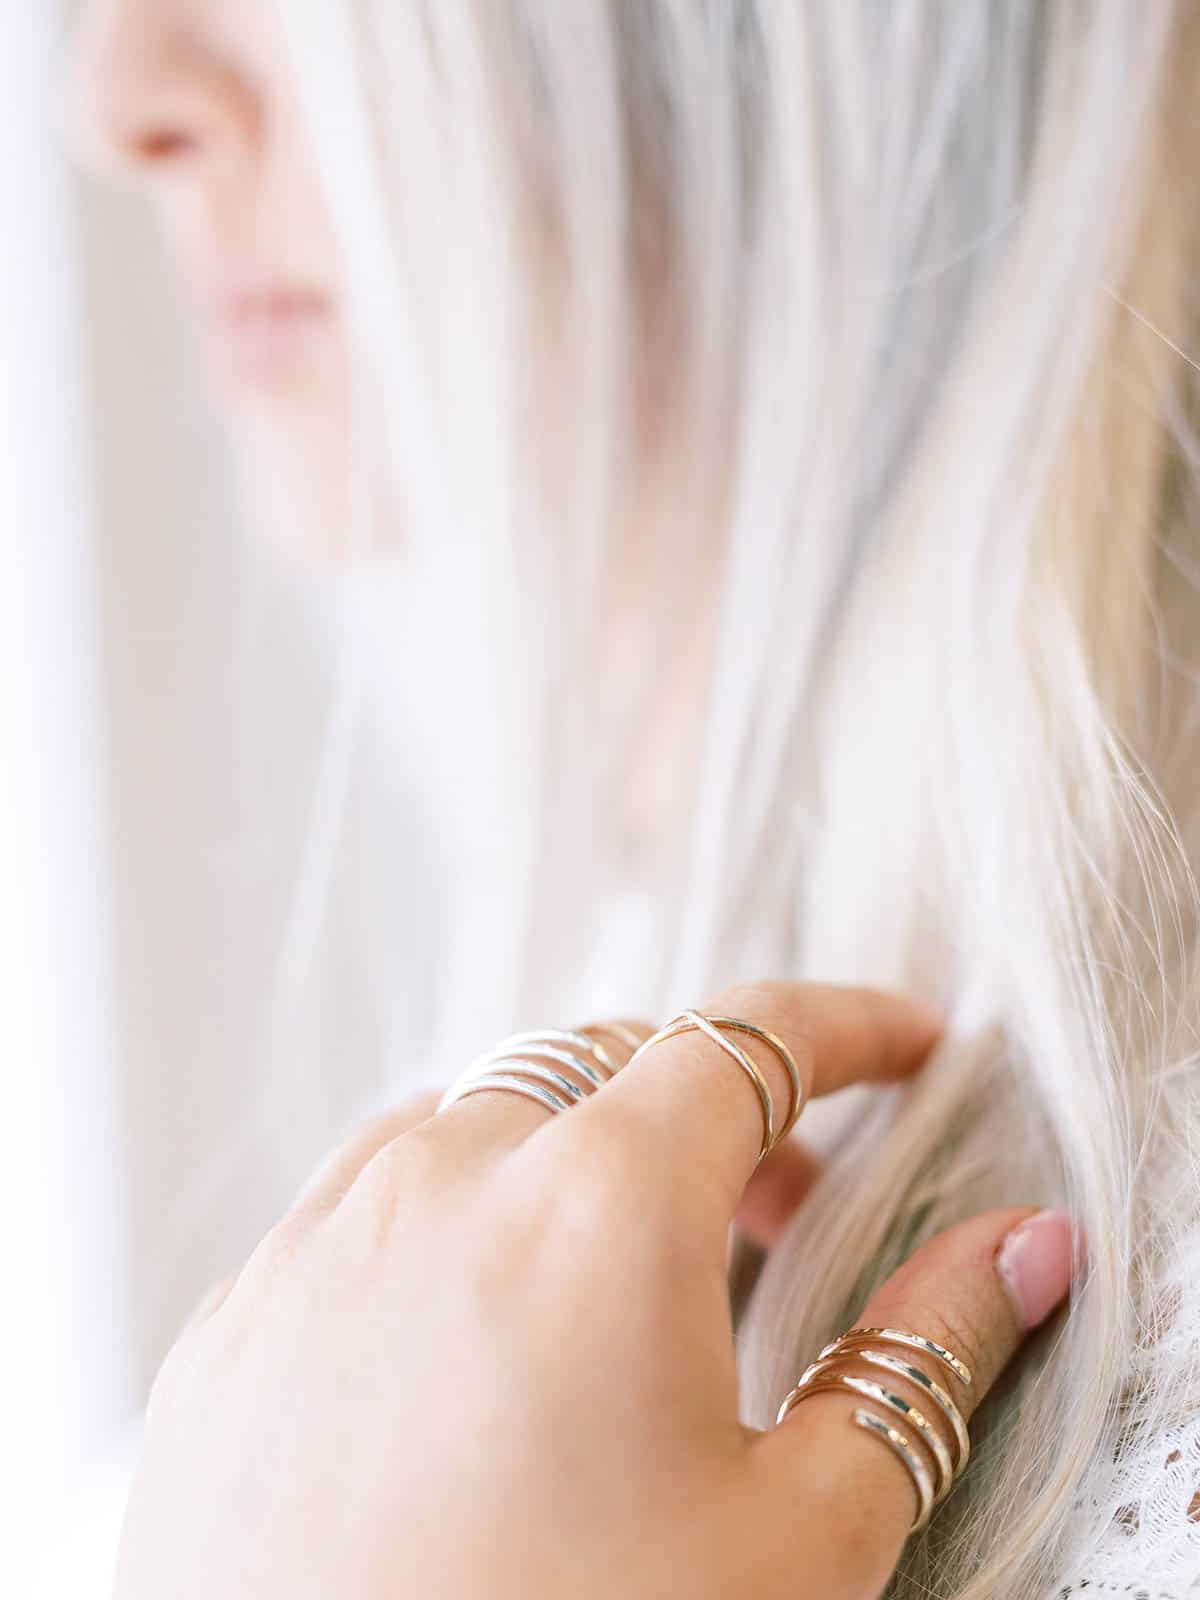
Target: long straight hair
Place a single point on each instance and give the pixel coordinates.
(836, 352)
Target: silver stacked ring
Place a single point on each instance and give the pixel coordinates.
(556, 1067)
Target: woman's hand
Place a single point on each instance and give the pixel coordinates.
(489, 1353)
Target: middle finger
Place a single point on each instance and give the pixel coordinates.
(696, 1118)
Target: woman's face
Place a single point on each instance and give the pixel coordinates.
(193, 99)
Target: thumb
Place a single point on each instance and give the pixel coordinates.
(976, 1289)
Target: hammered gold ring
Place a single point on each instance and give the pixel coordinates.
(898, 1420)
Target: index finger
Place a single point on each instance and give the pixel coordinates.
(699, 1113)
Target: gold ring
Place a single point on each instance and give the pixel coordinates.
(829, 1372)
(689, 1021)
(899, 1444)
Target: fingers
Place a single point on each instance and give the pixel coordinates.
(211, 1300)
(698, 1114)
(977, 1290)
(774, 1192)
(327, 1185)
(552, 1069)
(322, 1191)
(778, 1187)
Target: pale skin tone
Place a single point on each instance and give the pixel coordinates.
(489, 1351)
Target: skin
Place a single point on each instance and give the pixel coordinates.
(190, 100)
(490, 1351)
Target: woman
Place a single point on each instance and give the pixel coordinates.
(783, 414)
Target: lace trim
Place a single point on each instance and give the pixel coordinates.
(1132, 1591)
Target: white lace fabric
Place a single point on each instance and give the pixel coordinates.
(1152, 1548)
(1147, 1501)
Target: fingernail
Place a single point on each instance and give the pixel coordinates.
(1035, 1263)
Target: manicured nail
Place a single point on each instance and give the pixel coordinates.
(1035, 1263)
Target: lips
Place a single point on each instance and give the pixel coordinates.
(250, 308)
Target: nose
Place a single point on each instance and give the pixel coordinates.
(142, 95)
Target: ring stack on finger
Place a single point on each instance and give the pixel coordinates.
(557, 1067)
(902, 1421)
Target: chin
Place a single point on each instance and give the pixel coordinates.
(288, 425)
(294, 487)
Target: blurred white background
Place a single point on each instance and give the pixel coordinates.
(162, 701)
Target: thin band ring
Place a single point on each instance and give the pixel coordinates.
(939, 1396)
(513, 1085)
(532, 1043)
(527, 1055)
(526, 1071)
(687, 1021)
(551, 1040)
(901, 1446)
(788, 1060)
(901, 1336)
(829, 1381)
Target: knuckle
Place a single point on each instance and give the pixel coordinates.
(171, 1381)
(275, 1254)
(406, 1115)
(209, 1302)
(165, 1384)
(417, 1158)
(960, 1330)
(785, 1007)
(372, 1135)
(369, 1136)
(760, 999)
(405, 1165)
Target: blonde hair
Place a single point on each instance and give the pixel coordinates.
(857, 334)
